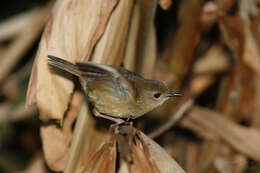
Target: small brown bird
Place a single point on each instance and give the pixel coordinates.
(115, 92)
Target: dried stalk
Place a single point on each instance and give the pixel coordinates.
(174, 118)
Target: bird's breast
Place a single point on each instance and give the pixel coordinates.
(110, 100)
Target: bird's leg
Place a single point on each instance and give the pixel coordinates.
(117, 120)
(125, 122)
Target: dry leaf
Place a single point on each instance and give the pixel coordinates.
(87, 137)
(164, 161)
(150, 56)
(56, 140)
(136, 152)
(110, 48)
(210, 124)
(130, 52)
(71, 33)
(147, 13)
(104, 160)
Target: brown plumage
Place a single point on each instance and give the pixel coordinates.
(115, 92)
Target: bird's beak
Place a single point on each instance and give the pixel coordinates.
(171, 94)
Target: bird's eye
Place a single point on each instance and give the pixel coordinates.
(157, 95)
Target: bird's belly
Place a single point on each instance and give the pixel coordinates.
(108, 102)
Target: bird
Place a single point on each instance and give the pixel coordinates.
(114, 92)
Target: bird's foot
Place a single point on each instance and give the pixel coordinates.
(123, 123)
(118, 121)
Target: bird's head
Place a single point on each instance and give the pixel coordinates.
(153, 94)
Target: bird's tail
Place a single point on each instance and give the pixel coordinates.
(63, 65)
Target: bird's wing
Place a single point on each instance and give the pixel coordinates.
(122, 84)
(87, 70)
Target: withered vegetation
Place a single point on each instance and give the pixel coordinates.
(207, 50)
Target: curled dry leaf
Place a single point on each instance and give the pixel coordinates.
(164, 161)
(111, 46)
(86, 140)
(71, 33)
(104, 160)
(87, 136)
(56, 140)
(210, 124)
(136, 152)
